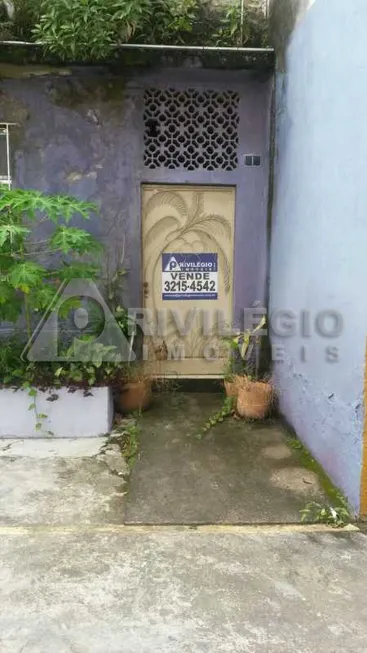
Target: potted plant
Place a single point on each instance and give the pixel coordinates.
(135, 392)
(135, 389)
(232, 382)
(132, 388)
(246, 382)
(254, 398)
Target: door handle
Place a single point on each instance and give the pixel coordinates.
(146, 289)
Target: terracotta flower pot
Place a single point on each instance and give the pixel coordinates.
(135, 395)
(254, 399)
(232, 386)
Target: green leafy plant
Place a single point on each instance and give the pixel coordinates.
(32, 266)
(101, 366)
(112, 285)
(18, 17)
(130, 447)
(246, 29)
(337, 515)
(245, 350)
(99, 321)
(12, 366)
(89, 30)
(39, 417)
(82, 30)
(170, 21)
(217, 418)
(126, 435)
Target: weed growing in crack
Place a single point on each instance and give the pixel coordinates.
(127, 436)
(217, 418)
(337, 515)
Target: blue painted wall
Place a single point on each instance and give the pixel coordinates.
(319, 230)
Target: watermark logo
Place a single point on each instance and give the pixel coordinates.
(48, 340)
(172, 334)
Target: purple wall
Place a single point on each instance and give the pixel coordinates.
(83, 134)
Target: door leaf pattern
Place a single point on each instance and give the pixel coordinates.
(210, 228)
(173, 199)
(157, 228)
(185, 223)
(222, 259)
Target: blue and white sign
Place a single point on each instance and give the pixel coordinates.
(189, 276)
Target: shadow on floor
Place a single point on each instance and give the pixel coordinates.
(240, 473)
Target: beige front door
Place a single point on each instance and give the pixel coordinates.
(188, 271)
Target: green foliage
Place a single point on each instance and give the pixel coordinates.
(83, 30)
(130, 448)
(246, 353)
(12, 368)
(337, 515)
(31, 269)
(126, 434)
(88, 30)
(336, 512)
(35, 205)
(20, 22)
(171, 22)
(25, 275)
(99, 321)
(252, 32)
(217, 418)
(71, 239)
(100, 366)
(125, 323)
(39, 417)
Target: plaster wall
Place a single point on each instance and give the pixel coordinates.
(81, 132)
(319, 232)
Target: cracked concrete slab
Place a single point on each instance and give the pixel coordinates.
(62, 481)
(52, 447)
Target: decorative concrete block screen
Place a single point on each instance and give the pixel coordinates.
(191, 129)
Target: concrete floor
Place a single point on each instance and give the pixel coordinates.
(75, 578)
(182, 591)
(61, 481)
(238, 473)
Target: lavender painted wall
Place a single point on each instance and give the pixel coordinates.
(319, 231)
(83, 134)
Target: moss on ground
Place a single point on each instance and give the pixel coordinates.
(308, 461)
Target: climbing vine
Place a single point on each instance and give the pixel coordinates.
(225, 411)
(89, 30)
